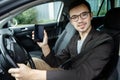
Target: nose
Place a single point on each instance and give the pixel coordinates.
(79, 19)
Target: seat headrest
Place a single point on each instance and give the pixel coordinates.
(112, 19)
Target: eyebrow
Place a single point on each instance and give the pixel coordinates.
(80, 13)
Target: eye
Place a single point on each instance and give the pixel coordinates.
(74, 17)
(84, 13)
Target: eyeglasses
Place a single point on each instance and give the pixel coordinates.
(82, 15)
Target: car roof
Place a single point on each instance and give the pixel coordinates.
(9, 5)
(6, 5)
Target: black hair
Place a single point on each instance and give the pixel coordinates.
(77, 3)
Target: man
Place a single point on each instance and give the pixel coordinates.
(88, 58)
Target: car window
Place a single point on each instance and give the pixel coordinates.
(97, 4)
(100, 7)
(117, 4)
(40, 14)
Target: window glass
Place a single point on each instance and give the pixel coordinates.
(44, 13)
(117, 3)
(95, 6)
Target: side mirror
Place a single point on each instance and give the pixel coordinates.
(13, 22)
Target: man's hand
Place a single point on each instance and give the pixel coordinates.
(26, 73)
(21, 73)
(44, 45)
(45, 40)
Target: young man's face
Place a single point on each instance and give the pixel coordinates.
(80, 18)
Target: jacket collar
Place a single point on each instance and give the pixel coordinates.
(88, 38)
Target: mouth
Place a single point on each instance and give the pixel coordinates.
(82, 26)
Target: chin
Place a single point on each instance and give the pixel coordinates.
(82, 30)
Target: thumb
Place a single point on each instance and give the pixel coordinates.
(20, 64)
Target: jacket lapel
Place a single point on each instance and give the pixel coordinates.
(88, 38)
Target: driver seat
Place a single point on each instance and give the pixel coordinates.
(64, 38)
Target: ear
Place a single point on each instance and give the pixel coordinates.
(91, 14)
(71, 22)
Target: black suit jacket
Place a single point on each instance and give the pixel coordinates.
(88, 65)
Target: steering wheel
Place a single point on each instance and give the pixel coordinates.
(12, 53)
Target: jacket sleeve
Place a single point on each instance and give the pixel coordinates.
(56, 59)
(89, 68)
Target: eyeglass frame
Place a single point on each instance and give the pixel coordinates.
(77, 16)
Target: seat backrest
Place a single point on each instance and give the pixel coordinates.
(64, 38)
(112, 27)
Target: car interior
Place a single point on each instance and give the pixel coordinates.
(17, 45)
(111, 26)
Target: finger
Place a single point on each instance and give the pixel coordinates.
(45, 37)
(13, 70)
(17, 79)
(45, 33)
(16, 75)
(20, 65)
(33, 35)
(32, 32)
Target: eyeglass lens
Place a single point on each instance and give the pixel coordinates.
(82, 15)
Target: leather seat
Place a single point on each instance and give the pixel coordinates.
(64, 38)
(112, 27)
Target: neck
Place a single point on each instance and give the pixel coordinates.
(85, 33)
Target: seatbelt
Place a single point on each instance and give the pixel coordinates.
(119, 49)
(59, 41)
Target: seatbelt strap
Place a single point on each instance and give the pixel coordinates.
(119, 49)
